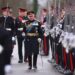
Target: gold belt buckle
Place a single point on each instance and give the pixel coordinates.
(32, 34)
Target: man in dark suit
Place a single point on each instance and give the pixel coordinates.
(7, 23)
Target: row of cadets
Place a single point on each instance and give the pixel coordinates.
(64, 60)
(68, 61)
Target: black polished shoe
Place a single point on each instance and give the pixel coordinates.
(68, 72)
(20, 61)
(30, 68)
(35, 67)
(25, 60)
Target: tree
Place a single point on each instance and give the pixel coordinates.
(35, 6)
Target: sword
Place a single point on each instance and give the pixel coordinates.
(40, 51)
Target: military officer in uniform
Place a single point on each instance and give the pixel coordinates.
(19, 25)
(7, 23)
(33, 35)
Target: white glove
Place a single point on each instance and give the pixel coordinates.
(13, 38)
(39, 40)
(23, 21)
(43, 26)
(23, 34)
(59, 25)
(45, 34)
(8, 68)
(67, 50)
(1, 49)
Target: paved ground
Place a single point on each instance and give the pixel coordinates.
(21, 69)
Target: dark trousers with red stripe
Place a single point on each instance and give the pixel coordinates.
(68, 60)
(46, 45)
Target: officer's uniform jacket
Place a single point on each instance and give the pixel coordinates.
(8, 24)
(32, 31)
(19, 26)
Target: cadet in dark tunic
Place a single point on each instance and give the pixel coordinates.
(19, 25)
(44, 26)
(33, 37)
(52, 22)
(7, 23)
